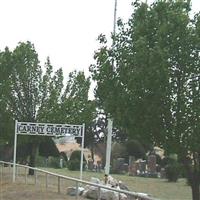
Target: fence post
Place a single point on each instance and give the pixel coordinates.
(25, 175)
(16, 171)
(58, 184)
(1, 172)
(99, 193)
(35, 177)
(46, 180)
(76, 190)
(9, 167)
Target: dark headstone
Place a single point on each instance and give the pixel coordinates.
(142, 166)
(132, 168)
(151, 164)
(90, 165)
(162, 173)
(118, 165)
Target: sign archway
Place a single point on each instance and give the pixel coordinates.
(49, 130)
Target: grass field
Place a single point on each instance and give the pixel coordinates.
(159, 188)
(9, 191)
(30, 190)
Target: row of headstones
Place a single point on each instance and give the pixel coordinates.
(141, 167)
(133, 168)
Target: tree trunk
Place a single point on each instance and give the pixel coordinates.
(195, 185)
(92, 151)
(195, 191)
(32, 157)
(193, 176)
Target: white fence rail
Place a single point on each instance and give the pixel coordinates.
(24, 175)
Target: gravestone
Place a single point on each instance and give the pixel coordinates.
(137, 168)
(151, 162)
(125, 167)
(99, 166)
(118, 165)
(61, 163)
(90, 165)
(162, 173)
(142, 166)
(131, 168)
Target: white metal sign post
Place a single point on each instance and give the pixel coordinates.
(47, 129)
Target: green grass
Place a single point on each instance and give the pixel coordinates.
(159, 188)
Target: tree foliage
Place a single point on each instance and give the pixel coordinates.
(6, 123)
(136, 149)
(75, 107)
(149, 80)
(31, 94)
(25, 81)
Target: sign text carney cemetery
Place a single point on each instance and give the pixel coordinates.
(48, 129)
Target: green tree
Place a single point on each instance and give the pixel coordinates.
(136, 149)
(75, 107)
(48, 148)
(31, 95)
(24, 98)
(74, 162)
(51, 92)
(6, 121)
(25, 81)
(28, 91)
(149, 80)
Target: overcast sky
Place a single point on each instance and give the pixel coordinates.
(65, 30)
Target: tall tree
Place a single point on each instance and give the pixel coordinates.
(6, 123)
(152, 89)
(30, 95)
(24, 98)
(51, 92)
(76, 108)
(26, 78)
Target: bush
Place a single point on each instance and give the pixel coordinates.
(119, 151)
(172, 171)
(166, 161)
(40, 161)
(54, 162)
(75, 160)
(74, 165)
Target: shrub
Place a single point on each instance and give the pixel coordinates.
(172, 171)
(74, 165)
(166, 161)
(54, 162)
(75, 160)
(119, 151)
(40, 161)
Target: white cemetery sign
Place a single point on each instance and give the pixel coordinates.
(47, 129)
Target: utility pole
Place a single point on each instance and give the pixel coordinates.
(114, 20)
(108, 146)
(110, 121)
